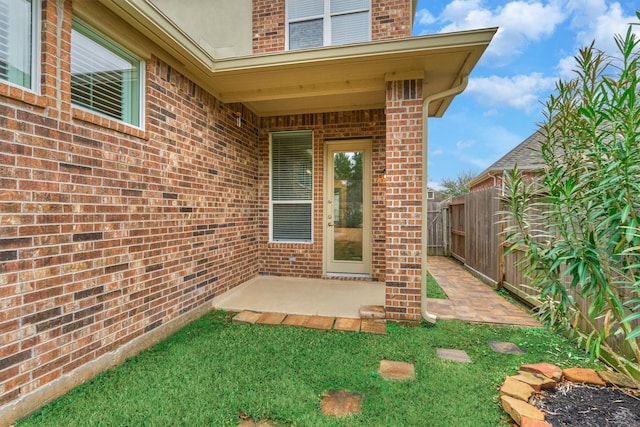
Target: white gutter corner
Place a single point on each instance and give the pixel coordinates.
(431, 318)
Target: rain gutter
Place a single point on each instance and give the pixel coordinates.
(423, 263)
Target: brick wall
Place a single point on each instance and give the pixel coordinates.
(274, 257)
(108, 232)
(390, 19)
(403, 199)
(268, 26)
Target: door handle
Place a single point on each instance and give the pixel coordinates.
(330, 224)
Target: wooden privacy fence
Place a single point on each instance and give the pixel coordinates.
(437, 229)
(476, 239)
(475, 236)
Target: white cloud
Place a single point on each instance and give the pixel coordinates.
(594, 20)
(424, 17)
(522, 92)
(435, 153)
(435, 185)
(519, 23)
(603, 28)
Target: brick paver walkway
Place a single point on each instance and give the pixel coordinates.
(470, 299)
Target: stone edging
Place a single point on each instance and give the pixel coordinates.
(517, 389)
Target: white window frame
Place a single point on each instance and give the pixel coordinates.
(326, 22)
(34, 84)
(282, 202)
(99, 38)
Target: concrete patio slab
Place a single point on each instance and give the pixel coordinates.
(312, 297)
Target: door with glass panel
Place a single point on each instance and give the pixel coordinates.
(347, 210)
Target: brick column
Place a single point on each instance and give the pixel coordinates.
(403, 199)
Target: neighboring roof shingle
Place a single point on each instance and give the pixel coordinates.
(526, 155)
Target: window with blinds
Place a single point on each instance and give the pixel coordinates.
(291, 199)
(315, 23)
(104, 78)
(19, 42)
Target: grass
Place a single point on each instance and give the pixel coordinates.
(433, 288)
(215, 371)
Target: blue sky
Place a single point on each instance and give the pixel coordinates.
(533, 48)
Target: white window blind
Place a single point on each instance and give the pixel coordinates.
(291, 203)
(104, 78)
(18, 42)
(314, 23)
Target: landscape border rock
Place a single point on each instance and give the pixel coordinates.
(515, 396)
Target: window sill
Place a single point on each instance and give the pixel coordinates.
(22, 94)
(98, 120)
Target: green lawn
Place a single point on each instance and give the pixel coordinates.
(433, 289)
(214, 370)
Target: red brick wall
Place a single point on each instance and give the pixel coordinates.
(390, 19)
(108, 231)
(274, 257)
(268, 26)
(403, 199)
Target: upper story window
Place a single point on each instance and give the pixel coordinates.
(104, 77)
(19, 42)
(315, 23)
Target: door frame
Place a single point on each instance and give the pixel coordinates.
(347, 268)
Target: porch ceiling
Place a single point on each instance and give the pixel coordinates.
(338, 78)
(348, 77)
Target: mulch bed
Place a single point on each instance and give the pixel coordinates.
(583, 405)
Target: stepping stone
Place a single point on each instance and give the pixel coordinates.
(373, 326)
(390, 370)
(249, 423)
(346, 324)
(319, 322)
(295, 320)
(271, 318)
(505, 347)
(247, 317)
(453, 355)
(339, 403)
(372, 312)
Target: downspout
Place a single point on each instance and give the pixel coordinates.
(423, 263)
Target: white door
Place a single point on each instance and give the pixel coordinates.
(347, 213)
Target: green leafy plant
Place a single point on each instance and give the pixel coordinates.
(579, 223)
